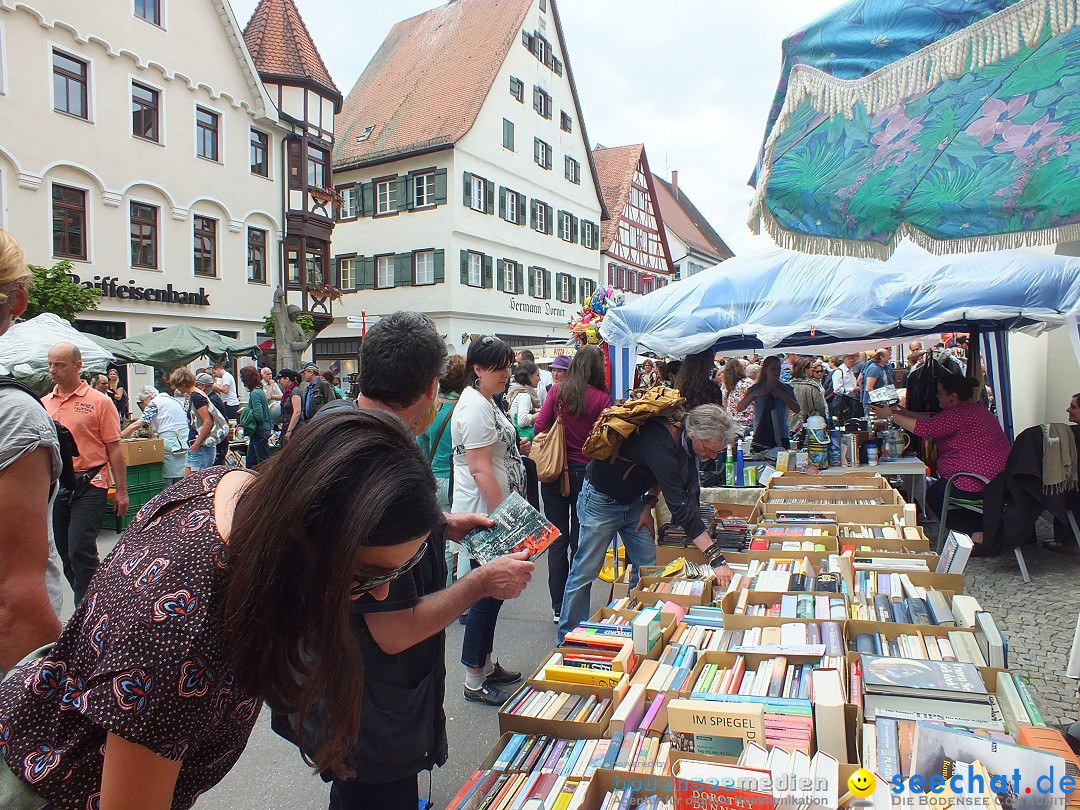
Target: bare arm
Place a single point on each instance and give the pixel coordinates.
(27, 620)
(479, 461)
(135, 778)
(504, 578)
(295, 398)
(134, 426)
(119, 470)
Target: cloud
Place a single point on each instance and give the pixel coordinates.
(691, 79)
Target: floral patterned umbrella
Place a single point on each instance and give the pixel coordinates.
(948, 122)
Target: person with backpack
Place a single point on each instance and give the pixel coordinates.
(200, 455)
(31, 583)
(619, 494)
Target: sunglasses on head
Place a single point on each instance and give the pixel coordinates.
(362, 585)
(487, 340)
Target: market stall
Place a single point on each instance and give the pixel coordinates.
(178, 346)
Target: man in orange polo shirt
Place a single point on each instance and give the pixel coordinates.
(91, 418)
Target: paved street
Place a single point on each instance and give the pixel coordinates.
(1037, 619)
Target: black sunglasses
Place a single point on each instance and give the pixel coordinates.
(487, 340)
(362, 585)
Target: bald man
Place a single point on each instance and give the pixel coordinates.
(91, 418)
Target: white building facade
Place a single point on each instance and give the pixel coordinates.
(495, 229)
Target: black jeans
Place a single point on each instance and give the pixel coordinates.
(563, 513)
(961, 520)
(532, 483)
(400, 795)
(479, 637)
(76, 524)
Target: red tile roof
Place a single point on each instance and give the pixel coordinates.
(615, 169)
(688, 223)
(281, 46)
(425, 85)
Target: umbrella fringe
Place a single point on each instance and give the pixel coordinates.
(833, 246)
(983, 43)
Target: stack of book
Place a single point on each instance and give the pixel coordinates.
(940, 687)
(955, 645)
(548, 704)
(793, 606)
(675, 587)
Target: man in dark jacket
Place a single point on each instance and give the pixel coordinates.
(403, 729)
(618, 497)
(315, 392)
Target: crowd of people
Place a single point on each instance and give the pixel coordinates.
(320, 579)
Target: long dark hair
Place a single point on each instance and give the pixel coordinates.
(733, 372)
(249, 376)
(353, 480)
(695, 378)
(586, 371)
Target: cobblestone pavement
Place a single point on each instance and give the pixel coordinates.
(1037, 619)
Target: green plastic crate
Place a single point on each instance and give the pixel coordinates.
(138, 497)
(146, 474)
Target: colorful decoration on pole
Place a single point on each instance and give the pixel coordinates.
(584, 325)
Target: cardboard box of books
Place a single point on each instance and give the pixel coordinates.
(864, 479)
(573, 711)
(553, 669)
(667, 553)
(918, 579)
(538, 765)
(668, 623)
(792, 606)
(886, 536)
(857, 506)
(687, 593)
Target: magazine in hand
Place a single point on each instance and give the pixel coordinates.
(518, 527)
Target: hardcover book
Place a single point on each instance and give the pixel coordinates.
(948, 680)
(518, 527)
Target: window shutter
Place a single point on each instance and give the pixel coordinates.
(365, 267)
(467, 195)
(500, 274)
(536, 99)
(573, 228)
(596, 237)
(464, 267)
(532, 281)
(361, 279)
(558, 286)
(440, 187)
(547, 284)
(502, 201)
(490, 189)
(528, 41)
(550, 221)
(440, 266)
(367, 199)
(487, 272)
(519, 278)
(558, 66)
(402, 192)
(508, 134)
(403, 270)
(547, 157)
(521, 209)
(532, 213)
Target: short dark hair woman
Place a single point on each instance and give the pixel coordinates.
(578, 399)
(202, 611)
(487, 468)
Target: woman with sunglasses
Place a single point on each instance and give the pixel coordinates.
(201, 613)
(487, 468)
(809, 393)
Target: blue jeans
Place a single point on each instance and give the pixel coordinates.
(202, 458)
(601, 518)
(479, 637)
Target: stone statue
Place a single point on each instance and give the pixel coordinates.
(290, 341)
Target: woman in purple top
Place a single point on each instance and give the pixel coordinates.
(203, 611)
(579, 399)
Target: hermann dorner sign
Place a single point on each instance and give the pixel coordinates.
(130, 292)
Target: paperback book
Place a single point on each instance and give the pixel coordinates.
(518, 527)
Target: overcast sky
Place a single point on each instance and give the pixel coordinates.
(691, 79)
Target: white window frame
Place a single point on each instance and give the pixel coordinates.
(565, 226)
(513, 200)
(347, 263)
(476, 263)
(350, 203)
(424, 182)
(564, 288)
(586, 234)
(538, 282)
(385, 203)
(510, 269)
(478, 200)
(3, 61)
(541, 217)
(545, 110)
(382, 264)
(541, 48)
(542, 157)
(429, 269)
